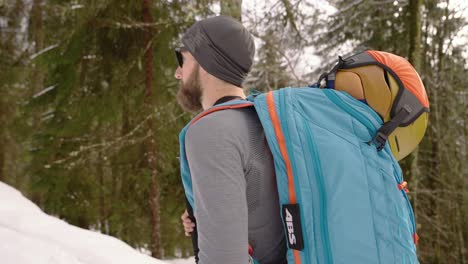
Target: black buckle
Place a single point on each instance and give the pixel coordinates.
(380, 140)
(322, 77)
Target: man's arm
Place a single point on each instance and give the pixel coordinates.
(219, 187)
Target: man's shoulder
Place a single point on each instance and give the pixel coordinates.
(224, 122)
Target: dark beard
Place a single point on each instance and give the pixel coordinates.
(190, 93)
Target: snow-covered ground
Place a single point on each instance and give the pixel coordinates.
(29, 236)
(181, 261)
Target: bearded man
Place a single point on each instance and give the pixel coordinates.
(231, 167)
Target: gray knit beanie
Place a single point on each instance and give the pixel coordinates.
(222, 46)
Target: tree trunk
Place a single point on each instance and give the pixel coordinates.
(102, 195)
(232, 8)
(414, 24)
(38, 36)
(150, 143)
(426, 60)
(440, 114)
(2, 141)
(37, 79)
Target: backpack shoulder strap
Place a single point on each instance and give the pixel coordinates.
(184, 169)
(227, 105)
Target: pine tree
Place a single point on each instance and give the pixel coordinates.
(232, 8)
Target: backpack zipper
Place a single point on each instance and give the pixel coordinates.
(331, 94)
(317, 172)
(282, 96)
(408, 204)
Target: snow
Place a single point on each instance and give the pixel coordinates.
(28, 235)
(182, 261)
(44, 91)
(51, 47)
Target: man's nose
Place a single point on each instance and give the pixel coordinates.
(178, 73)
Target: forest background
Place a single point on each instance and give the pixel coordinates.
(89, 120)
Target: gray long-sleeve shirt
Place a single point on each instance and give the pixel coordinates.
(234, 187)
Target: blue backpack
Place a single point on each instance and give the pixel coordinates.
(342, 200)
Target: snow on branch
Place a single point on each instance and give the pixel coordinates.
(118, 142)
(33, 56)
(107, 144)
(46, 90)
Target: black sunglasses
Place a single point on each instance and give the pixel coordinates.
(179, 56)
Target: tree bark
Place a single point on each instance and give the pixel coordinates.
(37, 79)
(440, 115)
(232, 8)
(2, 141)
(154, 199)
(414, 24)
(38, 36)
(102, 195)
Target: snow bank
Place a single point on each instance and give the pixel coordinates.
(27, 235)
